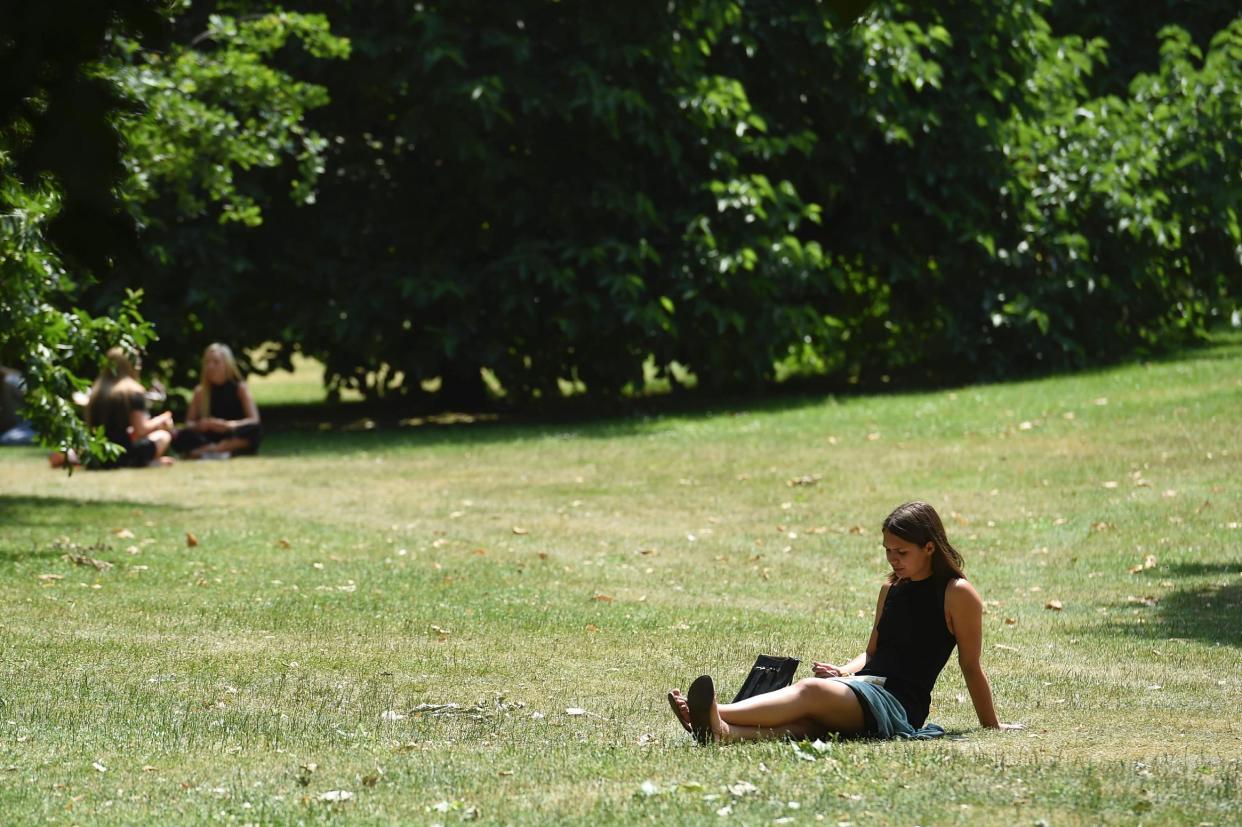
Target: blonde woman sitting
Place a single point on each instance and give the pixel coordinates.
(223, 419)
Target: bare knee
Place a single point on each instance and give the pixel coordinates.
(814, 688)
(161, 440)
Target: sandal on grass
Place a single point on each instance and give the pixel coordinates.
(672, 702)
(700, 697)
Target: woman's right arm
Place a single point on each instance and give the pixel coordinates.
(194, 413)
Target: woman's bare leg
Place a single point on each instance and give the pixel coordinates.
(161, 440)
(810, 708)
(231, 444)
(830, 704)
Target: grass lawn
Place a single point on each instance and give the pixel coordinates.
(344, 578)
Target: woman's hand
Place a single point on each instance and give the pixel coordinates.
(213, 425)
(826, 670)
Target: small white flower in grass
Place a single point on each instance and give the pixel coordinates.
(649, 788)
(820, 746)
(725, 811)
(99, 767)
(575, 711)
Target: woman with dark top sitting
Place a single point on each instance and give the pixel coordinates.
(926, 608)
(118, 402)
(222, 420)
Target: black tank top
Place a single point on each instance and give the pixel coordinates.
(225, 402)
(913, 644)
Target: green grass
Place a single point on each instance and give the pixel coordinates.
(345, 574)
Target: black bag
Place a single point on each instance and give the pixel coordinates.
(767, 674)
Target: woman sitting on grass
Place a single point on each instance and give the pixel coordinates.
(118, 402)
(925, 609)
(222, 420)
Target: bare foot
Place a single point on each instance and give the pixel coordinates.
(161, 462)
(681, 709)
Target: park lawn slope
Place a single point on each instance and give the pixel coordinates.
(268, 628)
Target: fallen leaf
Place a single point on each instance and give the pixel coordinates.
(441, 632)
(1004, 648)
(873, 436)
(1010, 621)
(123, 533)
(804, 480)
(575, 711)
(283, 543)
(336, 796)
(99, 767)
(1055, 605)
(1169, 492)
(1025, 426)
(391, 715)
(602, 598)
(1110, 484)
(148, 768)
(519, 530)
(83, 560)
(1149, 600)
(742, 788)
(190, 540)
(49, 578)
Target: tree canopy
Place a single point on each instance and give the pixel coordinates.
(936, 193)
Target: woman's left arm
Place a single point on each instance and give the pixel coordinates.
(248, 405)
(965, 609)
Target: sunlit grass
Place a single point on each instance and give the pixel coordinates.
(519, 570)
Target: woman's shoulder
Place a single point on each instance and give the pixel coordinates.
(961, 592)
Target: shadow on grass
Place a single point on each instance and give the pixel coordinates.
(87, 523)
(326, 428)
(358, 426)
(1206, 612)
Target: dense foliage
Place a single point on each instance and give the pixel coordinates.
(112, 140)
(59, 220)
(941, 192)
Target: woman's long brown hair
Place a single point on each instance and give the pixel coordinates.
(917, 522)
